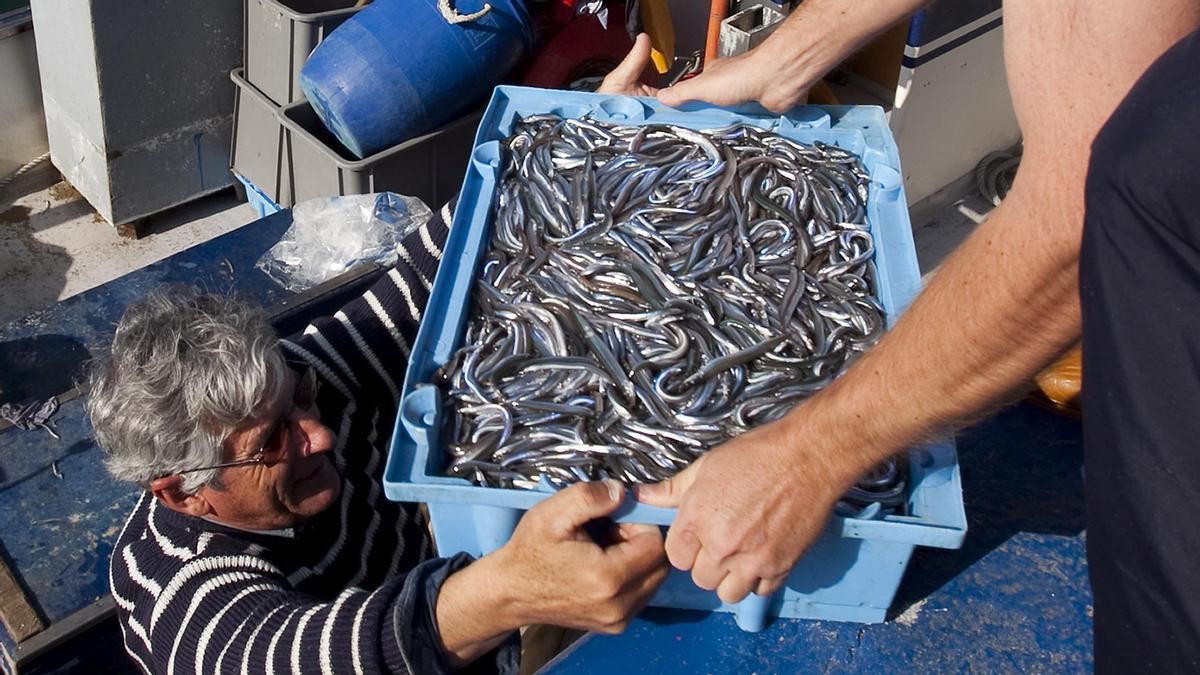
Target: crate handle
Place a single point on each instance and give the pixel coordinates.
(624, 109)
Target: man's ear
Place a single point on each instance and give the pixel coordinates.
(169, 491)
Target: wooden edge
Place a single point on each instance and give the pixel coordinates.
(16, 613)
(62, 631)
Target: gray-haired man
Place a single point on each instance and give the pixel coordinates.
(263, 541)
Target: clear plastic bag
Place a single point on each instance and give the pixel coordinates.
(329, 236)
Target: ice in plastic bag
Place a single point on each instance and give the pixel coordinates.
(329, 236)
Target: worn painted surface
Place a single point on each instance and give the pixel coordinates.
(139, 106)
(53, 245)
(71, 96)
(60, 513)
(1015, 598)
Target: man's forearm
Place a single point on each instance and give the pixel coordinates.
(1007, 302)
(818, 34)
(473, 612)
(998, 310)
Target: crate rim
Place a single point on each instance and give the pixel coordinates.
(367, 162)
(238, 76)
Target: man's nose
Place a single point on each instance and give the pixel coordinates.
(315, 437)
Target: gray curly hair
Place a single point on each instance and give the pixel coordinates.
(185, 370)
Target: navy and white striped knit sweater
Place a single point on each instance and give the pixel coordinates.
(354, 590)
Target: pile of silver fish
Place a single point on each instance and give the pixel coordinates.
(652, 291)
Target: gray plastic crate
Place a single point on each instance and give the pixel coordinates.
(257, 153)
(430, 167)
(280, 34)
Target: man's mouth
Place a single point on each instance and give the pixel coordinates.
(310, 475)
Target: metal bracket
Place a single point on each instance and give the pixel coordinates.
(746, 29)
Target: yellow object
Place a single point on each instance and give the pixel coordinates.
(1062, 382)
(656, 21)
(821, 94)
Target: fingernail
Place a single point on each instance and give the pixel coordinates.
(616, 489)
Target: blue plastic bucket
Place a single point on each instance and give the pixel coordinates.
(398, 68)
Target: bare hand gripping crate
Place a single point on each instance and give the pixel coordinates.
(852, 572)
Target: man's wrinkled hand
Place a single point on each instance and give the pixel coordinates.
(747, 510)
(739, 79)
(568, 579)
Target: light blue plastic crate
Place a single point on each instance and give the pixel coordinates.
(260, 202)
(854, 569)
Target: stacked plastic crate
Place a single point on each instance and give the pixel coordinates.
(279, 36)
(283, 154)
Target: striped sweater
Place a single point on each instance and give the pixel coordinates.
(351, 591)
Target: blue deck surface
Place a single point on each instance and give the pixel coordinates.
(1015, 598)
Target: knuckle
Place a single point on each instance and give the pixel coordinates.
(777, 563)
(611, 587)
(538, 514)
(592, 493)
(722, 547)
(777, 570)
(594, 578)
(762, 565)
(612, 614)
(660, 574)
(678, 557)
(605, 584)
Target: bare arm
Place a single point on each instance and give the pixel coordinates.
(1007, 302)
(472, 612)
(814, 38)
(1002, 307)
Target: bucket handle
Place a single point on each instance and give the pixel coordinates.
(452, 16)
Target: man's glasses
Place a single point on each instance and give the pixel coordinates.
(276, 445)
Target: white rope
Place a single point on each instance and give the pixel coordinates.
(452, 16)
(23, 170)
